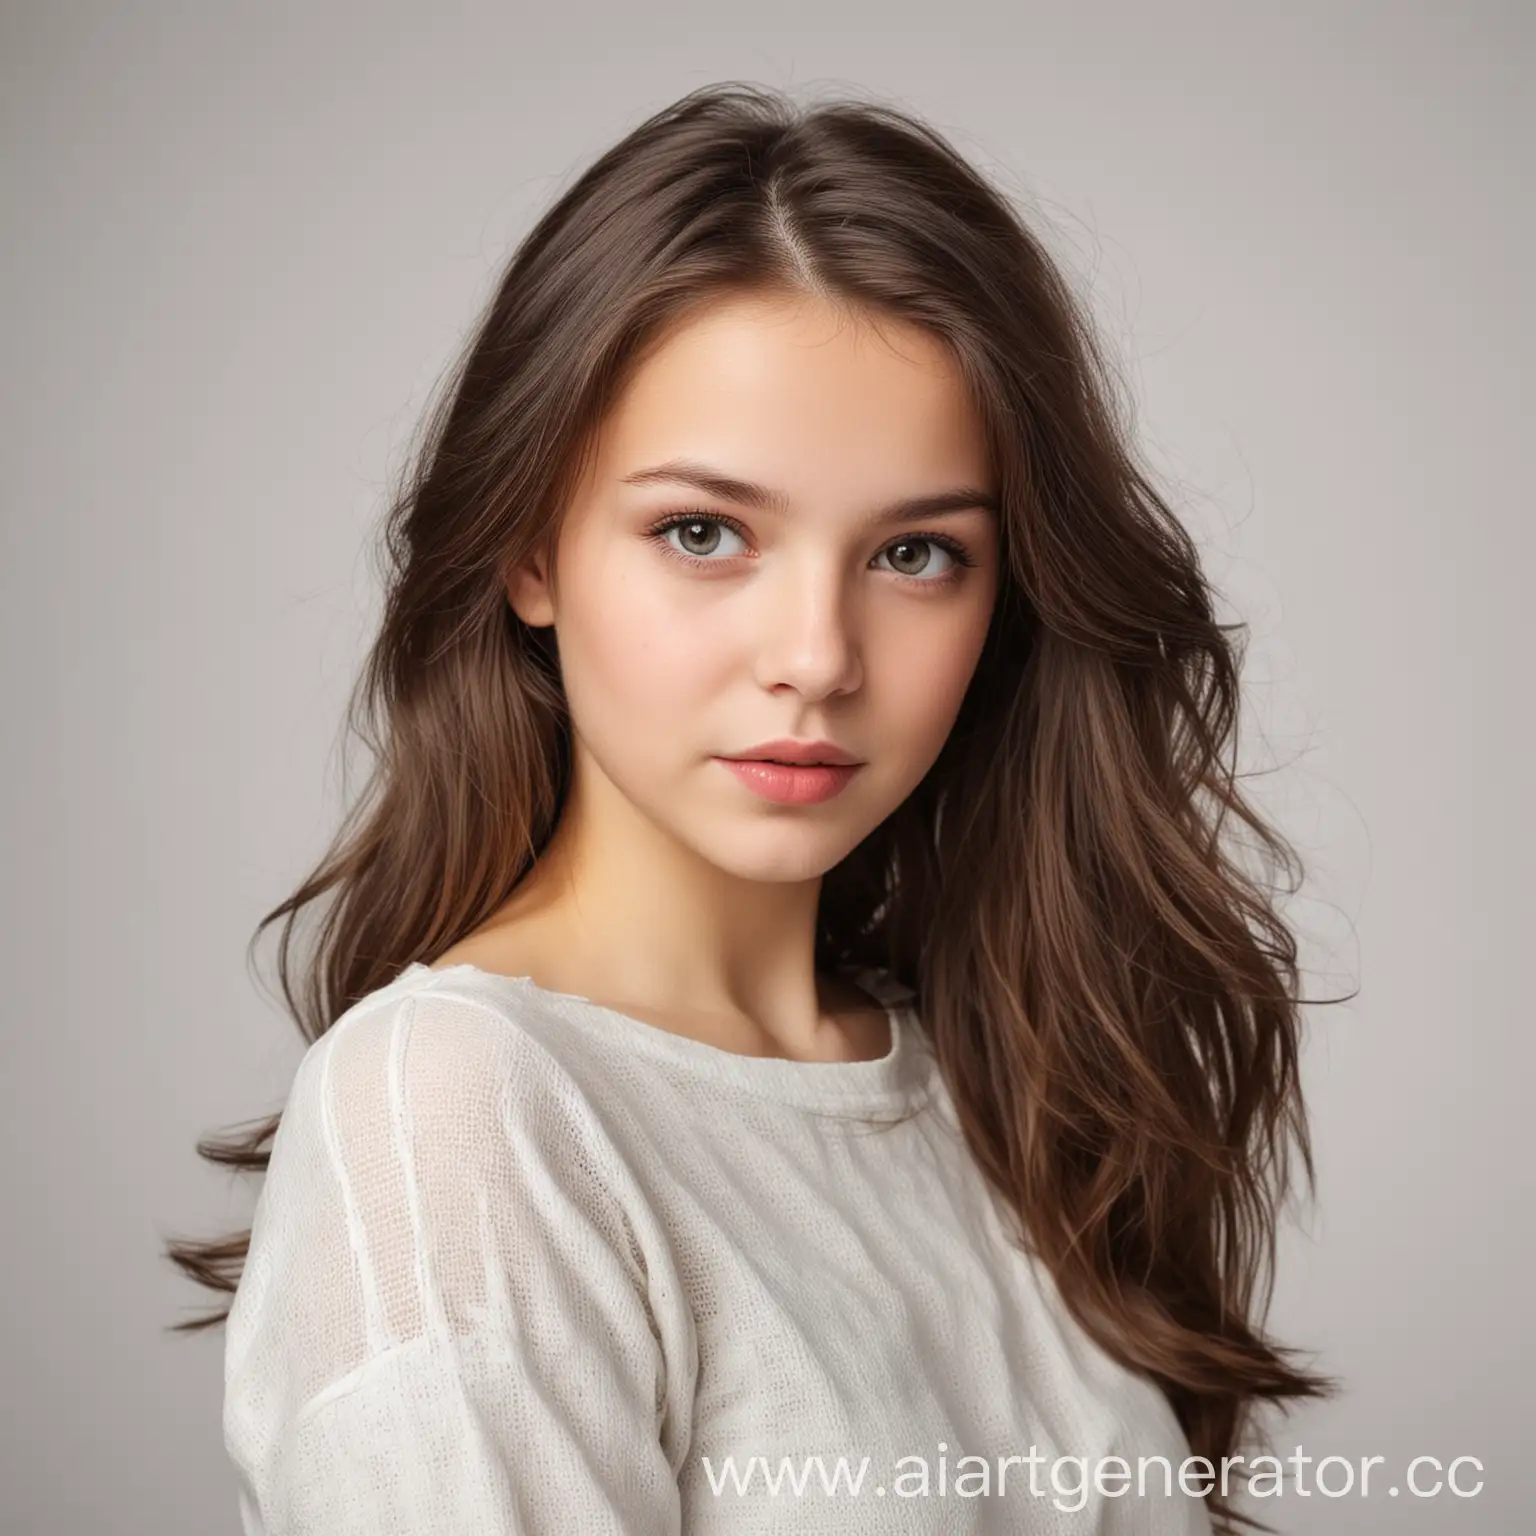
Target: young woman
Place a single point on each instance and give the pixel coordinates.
(785, 1016)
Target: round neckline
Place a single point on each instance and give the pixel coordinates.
(871, 1083)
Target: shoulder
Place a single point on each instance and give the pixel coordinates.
(436, 1023)
(449, 1062)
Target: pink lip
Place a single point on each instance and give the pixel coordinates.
(791, 786)
(785, 749)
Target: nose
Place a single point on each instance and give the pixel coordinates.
(807, 632)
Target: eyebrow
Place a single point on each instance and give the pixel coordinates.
(715, 482)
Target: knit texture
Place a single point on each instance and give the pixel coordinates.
(524, 1264)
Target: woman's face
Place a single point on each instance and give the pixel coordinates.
(815, 613)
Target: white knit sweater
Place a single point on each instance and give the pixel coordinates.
(524, 1264)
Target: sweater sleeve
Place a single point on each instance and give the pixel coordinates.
(443, 1324)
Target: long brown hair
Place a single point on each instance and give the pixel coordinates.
(1112, 997)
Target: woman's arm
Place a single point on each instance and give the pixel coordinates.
(443, 1324)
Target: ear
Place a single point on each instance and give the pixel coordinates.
(530, 589)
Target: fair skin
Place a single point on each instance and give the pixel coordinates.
(670, 891)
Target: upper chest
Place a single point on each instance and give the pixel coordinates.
(850, 1286)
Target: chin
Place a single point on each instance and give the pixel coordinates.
(780, 854)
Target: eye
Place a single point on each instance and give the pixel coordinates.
(699, 536)
(911, 558)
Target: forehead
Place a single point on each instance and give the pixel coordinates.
(793, 390)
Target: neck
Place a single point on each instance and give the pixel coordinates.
(623, 909)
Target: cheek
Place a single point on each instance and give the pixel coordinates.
(921, 675)
(639, 654)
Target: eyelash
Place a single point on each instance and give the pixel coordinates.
(952, 547)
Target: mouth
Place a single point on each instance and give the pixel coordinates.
(791, 783)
